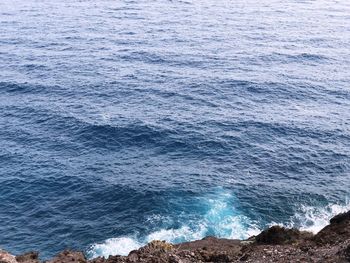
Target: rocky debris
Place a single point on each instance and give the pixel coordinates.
(277, 235)
(275, 244)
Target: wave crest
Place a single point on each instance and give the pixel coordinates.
(313, 219)
(220, 218)
(114, 246)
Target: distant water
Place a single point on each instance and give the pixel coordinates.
(125, 121)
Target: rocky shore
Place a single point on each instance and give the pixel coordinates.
(275, 244)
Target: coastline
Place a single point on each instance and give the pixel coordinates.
(275, 244)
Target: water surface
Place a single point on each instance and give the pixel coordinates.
(126, 121)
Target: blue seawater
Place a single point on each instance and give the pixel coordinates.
(124, 121)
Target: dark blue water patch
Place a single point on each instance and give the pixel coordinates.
(33, 67)
(11, 41)
(101, 136)
(184, 140)
(170, 59)
(298, 58)
(26, 88)
(269, 90)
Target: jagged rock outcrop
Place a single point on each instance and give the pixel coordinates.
(336, 232)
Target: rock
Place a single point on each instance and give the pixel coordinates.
(340, 218)
(346, 253)
(222, 257)
(133, 256)
(6, 257)
(210, 243)
(277, 235)
(336, 232)
(68, 257)
(98, 260)
(244, 257)
(175, 259)
(156, 245)
(114, 259)
(30, 257)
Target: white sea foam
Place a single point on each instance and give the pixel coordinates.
(313, 219)
(223, 219)
(114, 246)
(177, 235)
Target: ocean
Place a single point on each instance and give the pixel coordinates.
(125, 121)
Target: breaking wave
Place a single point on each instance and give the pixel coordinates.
(220, 220)
(313, 219)
(114, 246)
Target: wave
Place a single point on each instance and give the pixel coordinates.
(32, 89)
(114, 246)
(221, 219)
(313, 219)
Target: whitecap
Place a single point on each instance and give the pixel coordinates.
(313, 219)
(114, 246)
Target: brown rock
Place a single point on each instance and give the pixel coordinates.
(6, 257)
(114, 259)
(98, 260)
(340, 218)
(277, 235)
(30, 257)
(133, 256)
(68, 257)
(346, 253)
(220, 257)
(336, 232)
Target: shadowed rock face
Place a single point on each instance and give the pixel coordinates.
(277, 235)
(346, 253)
(275, 244)
(31, 257)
